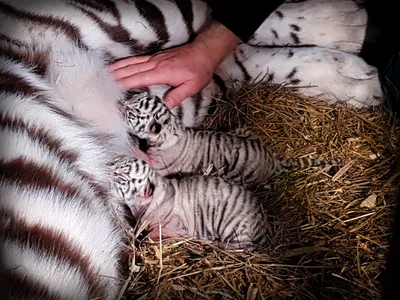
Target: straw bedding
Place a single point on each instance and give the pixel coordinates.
(330, 230)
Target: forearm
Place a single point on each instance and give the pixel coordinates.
(232, 24)
(217, 41)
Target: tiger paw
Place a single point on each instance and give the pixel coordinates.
(244, 132)
(326, 74)
(339, 25)
(147, 191)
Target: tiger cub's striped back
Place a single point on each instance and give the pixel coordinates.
(170, 148)
(207, 208)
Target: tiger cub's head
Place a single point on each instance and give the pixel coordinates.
(132, 178)
(150, 119)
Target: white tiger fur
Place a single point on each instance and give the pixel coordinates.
(54, 194)
(314, 23)
(207, 208)
(58, 103)
(170, 148)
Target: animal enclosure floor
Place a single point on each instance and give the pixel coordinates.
(330, 230)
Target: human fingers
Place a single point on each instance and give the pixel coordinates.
(180, 93)
(144, 79)
(128, 61)
(130, 70)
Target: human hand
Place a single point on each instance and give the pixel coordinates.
(187, 68)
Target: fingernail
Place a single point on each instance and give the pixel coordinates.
(168, 102)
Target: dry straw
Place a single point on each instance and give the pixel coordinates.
(330, 231)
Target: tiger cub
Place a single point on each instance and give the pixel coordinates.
(170, 148)
(207, 208)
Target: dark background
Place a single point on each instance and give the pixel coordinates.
(381, 49)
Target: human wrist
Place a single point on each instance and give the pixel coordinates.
(215, 42)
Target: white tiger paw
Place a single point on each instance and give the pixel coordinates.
(331, 75)
(244, 132)
(337, 25)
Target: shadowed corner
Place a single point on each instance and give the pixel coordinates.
(382, 49)
(2, 274)
(391, 278)
(2, 256)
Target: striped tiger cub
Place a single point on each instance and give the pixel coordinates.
(170, 148)
(207, 208)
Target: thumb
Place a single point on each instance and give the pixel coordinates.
(180, 93)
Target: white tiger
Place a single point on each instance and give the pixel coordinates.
(207, 208)
(60, 124)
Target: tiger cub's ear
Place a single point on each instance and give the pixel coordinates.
(138, 143)
(155, 127)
